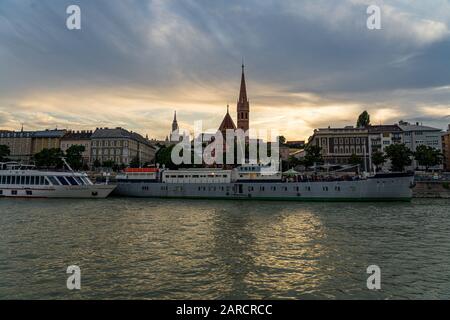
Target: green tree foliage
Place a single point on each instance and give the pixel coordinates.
(399, 155)
(363, 120)
(164, 157)
(293, 162)
(427, 156)
(282, 140)
(4, 152)
(49, 158)
(97, 163)
(74, 155)
(108, 164)
(135, 162)
(313, 154)
(378, 159)
(355, 160)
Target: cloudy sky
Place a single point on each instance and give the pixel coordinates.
(309, 63)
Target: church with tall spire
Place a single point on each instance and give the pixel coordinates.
(243, 110)
(243, 105)
(175, 134)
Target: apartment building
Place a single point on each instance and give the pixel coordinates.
(120, 146)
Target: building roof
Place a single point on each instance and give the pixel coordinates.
(78, 135)
(243, 90)
(16, 134)
(227, 122)
(49, 133)
(384, 128)
(417, 127)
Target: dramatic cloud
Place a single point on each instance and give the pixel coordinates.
(310, 63)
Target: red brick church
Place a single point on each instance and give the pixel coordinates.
(243, 111)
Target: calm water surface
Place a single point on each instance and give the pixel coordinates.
(174, 249)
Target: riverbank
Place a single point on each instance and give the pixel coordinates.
(432, 189)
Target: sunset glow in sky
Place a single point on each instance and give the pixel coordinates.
(309, 63)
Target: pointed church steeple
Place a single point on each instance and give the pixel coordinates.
(227, 123)
(243, 105)
(243, 90)
(174, 122)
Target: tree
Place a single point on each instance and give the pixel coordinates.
(74, 155)
(97, 163)
(164, 157)
(427, 156)
(282, 140)
(355, 160)
(293, 162)
(378, 159)
(313, 154)
(135, 162)
(108, 164)
(363, 120)
(400, 156)
(4, 152)
(49, 158)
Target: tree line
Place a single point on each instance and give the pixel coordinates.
(399, 156)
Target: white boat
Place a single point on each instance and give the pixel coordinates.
(251, 182)
(21, 181)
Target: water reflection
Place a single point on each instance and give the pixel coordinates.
(171, 249)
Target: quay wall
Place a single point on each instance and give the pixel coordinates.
(432, 189)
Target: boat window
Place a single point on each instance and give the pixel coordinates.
(22, 179)
(80, 182)
(72, 181)
(33, 180)
(8, 180)
(86, 180)
(62, 181)
(13, 179)
(53, 180)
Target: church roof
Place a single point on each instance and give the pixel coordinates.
(227, 122)
(243, 90)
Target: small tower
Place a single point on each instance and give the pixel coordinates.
(174, 134)
(174, 122)
(227, 123)
(243, 105)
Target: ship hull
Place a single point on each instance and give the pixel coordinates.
(374, 189)
(65, 192)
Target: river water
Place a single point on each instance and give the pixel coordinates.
(175, 249)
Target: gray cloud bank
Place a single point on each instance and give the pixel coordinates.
(314, 46)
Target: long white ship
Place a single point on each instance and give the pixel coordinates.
(20, 181)
(251, 182)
